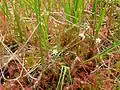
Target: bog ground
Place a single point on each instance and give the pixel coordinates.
(59, 45)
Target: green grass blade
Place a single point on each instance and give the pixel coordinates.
(5, 9)
(62, 77)
(18, 31)
(67, 9)
(29, 3)
(101, 19)
(94, 9)
(1, 9)
(46, 18)
(78, 10)
(38, 15)
(108, 50)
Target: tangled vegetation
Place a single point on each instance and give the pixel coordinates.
(59, 45)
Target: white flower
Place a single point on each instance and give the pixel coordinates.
(46, 12)
(1, 37)
(55, 52)
(82, 35)
(98, 40)
(55, 25)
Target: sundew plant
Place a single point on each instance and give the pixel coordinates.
(60, 44)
